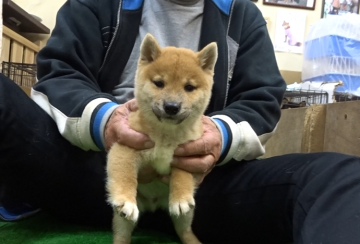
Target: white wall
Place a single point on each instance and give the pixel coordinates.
(45, 9)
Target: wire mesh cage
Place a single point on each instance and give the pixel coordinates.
(345, 97)
(303, 98)
(22, 74)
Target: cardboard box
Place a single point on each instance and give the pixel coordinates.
(288, 135)
(291, 77)
(342, 128)
(318, 128)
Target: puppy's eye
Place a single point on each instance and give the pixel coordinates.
(159, 83)
(189, 88)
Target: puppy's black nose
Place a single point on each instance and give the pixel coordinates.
(171, 108)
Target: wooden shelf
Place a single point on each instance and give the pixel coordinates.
(19, 20)
(20, 39)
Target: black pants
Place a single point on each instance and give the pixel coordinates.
(307, 198)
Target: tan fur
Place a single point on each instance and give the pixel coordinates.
(176, 69)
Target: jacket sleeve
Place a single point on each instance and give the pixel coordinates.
(255, 93)
(68, 68)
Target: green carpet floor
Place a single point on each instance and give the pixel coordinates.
(41, 229)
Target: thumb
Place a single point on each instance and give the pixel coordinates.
(132, 105)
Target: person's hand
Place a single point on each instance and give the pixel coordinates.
(117, 129)
(200, 156)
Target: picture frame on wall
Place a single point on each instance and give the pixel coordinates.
(289, 31)
(300, 4)
(333, 8)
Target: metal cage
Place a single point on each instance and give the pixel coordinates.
(22, 74)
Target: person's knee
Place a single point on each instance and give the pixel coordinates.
(332, 166)
(338, 158)
(10, 92)
(6, 86)
(5, 81)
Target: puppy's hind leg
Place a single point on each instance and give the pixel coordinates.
(182, 226)
(122, 229)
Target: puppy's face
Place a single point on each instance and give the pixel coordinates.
(174, 84)
(285, 24)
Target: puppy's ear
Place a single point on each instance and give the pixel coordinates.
(208, 56)
(149, 49)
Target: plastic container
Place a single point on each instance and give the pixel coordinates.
(332, 52)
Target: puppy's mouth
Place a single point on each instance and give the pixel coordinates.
(172, 119)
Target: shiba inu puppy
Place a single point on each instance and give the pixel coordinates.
(172, 89)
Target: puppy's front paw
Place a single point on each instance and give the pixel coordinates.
(181, 207)
(127, 210)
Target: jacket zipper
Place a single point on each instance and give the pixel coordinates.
(113, 37)
(227, 76)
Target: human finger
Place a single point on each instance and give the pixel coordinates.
(194, 164)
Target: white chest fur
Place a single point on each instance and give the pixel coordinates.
(160, 157)
(156, 194)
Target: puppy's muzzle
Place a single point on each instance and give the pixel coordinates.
(172, 108)
(171, 112)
